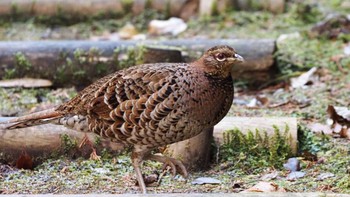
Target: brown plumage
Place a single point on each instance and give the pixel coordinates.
(150, 105)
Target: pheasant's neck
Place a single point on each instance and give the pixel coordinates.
(212, 100)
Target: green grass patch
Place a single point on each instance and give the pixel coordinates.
(253, 152)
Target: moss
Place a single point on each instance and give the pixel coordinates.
(14, 10)
(21, 66)
(127, 5)
(79, 55)
(167, 11)
(214, 8)
(129, 57)
(9, 73)
(60, 75)
(97, 140)
(84, 63)
(310, 142)
(303, 53)
(68, 143)
(253, 152)
(306, 12)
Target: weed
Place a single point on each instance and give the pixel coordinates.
(252, 152)
(68, 144)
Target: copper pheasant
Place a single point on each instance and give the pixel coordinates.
(150, 105)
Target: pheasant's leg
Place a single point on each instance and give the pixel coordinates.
(93, 154)
(169, 161)
(137, 158)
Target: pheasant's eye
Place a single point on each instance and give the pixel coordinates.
(220, 57)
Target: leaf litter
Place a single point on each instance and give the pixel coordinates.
(322, 155)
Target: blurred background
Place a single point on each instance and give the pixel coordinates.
(297, 69)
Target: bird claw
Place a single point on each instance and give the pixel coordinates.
(174, 164)
(94, 156)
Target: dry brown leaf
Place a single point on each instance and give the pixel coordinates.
(339, 114)
(337, 128)
(303, 79)
(24, 161)
(341, 120)
(270, 176)
(320, 128)
(345, 133)
(332, 26)
(265, 187)
(263, 100)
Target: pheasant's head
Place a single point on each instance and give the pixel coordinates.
(218, 61)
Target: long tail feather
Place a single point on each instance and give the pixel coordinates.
(38, 118)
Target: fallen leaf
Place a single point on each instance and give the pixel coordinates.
(325, 175)
(151, 179)
(265, 187)
(205, 180)
(24, 161)
(309, 156)
(253, 103)
(345, 132)
(279, 104)
(339, 114)
(262, 99)
(270, 176)
(25, 82)
(332, 26)
(321, 128)
(303, 79)
(5, 169)
(337, 128)
(293, 164)
(239, 102)
(295, 175)
(340, 117)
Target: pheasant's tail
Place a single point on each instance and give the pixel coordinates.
(38, 118)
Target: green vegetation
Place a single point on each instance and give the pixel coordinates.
(302, 53)
(244, 159)
(17, 101)
(252, 153)
(68, 144)
(21, 68)
(310, 142)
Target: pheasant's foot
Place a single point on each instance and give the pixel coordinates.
(168, 161)
(83, 141)
(93, 154)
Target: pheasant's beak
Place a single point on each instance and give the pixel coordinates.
(238, 58)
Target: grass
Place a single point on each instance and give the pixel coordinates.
(253, 152)
(243, 159)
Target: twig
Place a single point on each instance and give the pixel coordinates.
(162, 174)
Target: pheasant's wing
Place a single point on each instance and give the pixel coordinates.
(128, 99)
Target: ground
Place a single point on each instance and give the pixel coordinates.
(318, 153)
